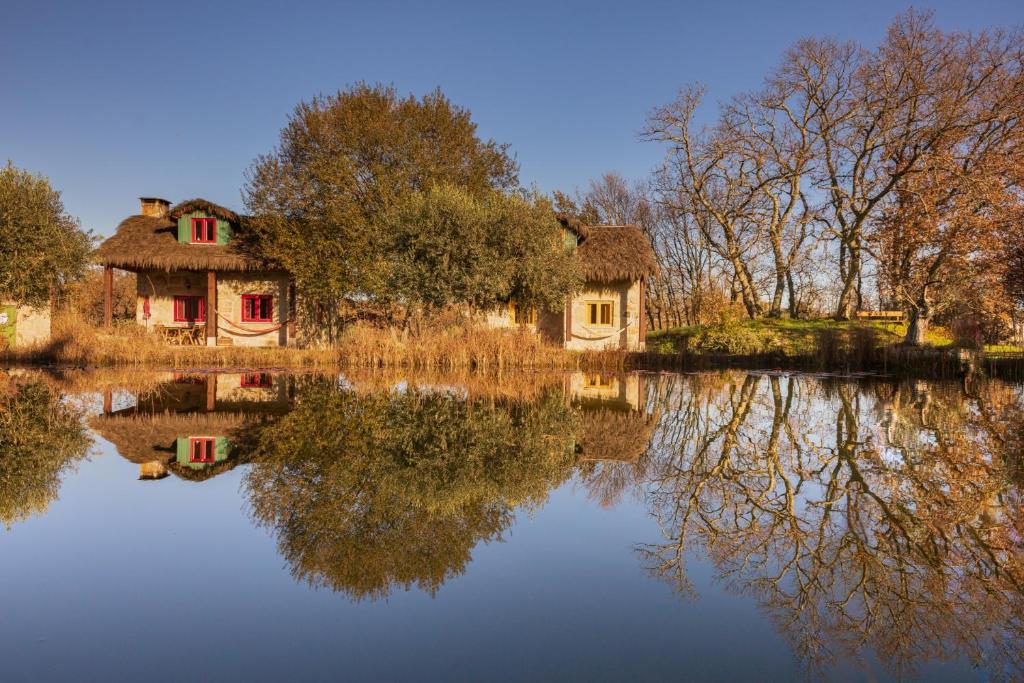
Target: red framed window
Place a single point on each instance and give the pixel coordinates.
(189, 309)
(257, 308)
(257, 379)
(201, 449)
(204, 230)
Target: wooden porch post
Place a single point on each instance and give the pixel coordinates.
(108, 296)
(568, 321)
(643, 312)
(211, 392)
(211, 306)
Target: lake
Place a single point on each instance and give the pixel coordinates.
(718, 526)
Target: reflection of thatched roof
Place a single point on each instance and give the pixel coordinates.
(202, 473)
(615, 252)
(190, 205)
(149, 242)
(141, 437)
(607, 434)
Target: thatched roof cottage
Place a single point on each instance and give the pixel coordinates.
(609, 311)
(195, 280)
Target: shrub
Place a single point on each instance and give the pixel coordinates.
(727, 338)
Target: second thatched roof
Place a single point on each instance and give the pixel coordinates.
(143, 242)
(615, 252)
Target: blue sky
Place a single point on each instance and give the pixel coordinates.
(117, 100)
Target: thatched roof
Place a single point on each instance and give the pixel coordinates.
(614, 252)
(147, 242)
(608, 434)
(190, 205)
(141, 437)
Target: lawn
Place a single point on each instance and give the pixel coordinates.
(788, 337)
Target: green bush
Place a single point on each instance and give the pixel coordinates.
(729, 338)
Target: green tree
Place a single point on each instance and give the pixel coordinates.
(43, 437)
(448, 247)
(369, 492)
(43, 247)
(343, 161)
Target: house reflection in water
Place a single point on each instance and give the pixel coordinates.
(193, 426)
(615, 431)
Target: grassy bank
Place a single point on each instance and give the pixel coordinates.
(783, 337)
(819, 345)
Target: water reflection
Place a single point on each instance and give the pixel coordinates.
(879, 516)
(41, 439)
(865, 517)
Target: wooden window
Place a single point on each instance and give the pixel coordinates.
(523, 315)
(202, 449)
(257, 379)
(189, 309)
(599, 313)
(257, 308)
(204, 230)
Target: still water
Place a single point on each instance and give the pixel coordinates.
(725, 526)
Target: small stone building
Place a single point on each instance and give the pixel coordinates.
(194, 277)
(609, 311)
(22, 326)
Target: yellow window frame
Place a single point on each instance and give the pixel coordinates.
(522, 315)
(600, 313)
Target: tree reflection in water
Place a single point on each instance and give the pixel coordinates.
(42, 437)
(369, 492)
(876, 515)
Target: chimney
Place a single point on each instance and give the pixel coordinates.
(154, 207)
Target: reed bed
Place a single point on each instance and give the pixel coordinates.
(77, 342)
(450, 347)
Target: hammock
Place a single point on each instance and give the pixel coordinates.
(249, 332)
(607, 336)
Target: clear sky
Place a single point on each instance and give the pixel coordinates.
(175, 99)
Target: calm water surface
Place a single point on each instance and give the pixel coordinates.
(709, 527)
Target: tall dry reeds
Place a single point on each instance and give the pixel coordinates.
(76, 341)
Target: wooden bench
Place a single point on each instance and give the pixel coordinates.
(182, 336)
(892, 316)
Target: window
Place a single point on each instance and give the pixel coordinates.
(189, 309)
(257, 308)
(597, 381)
(257, 379)
(202, 449)
(204, 230)
(523, 315)
(599, 313)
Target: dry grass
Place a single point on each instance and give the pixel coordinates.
(450, 347)
(78, 342)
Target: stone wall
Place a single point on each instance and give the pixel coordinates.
(231, 287)
(162, 287)
(31, 326)
(623, 333)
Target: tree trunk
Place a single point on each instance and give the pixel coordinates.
(780, 289)
(919, 317)
(845, 309)
(794, 309)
